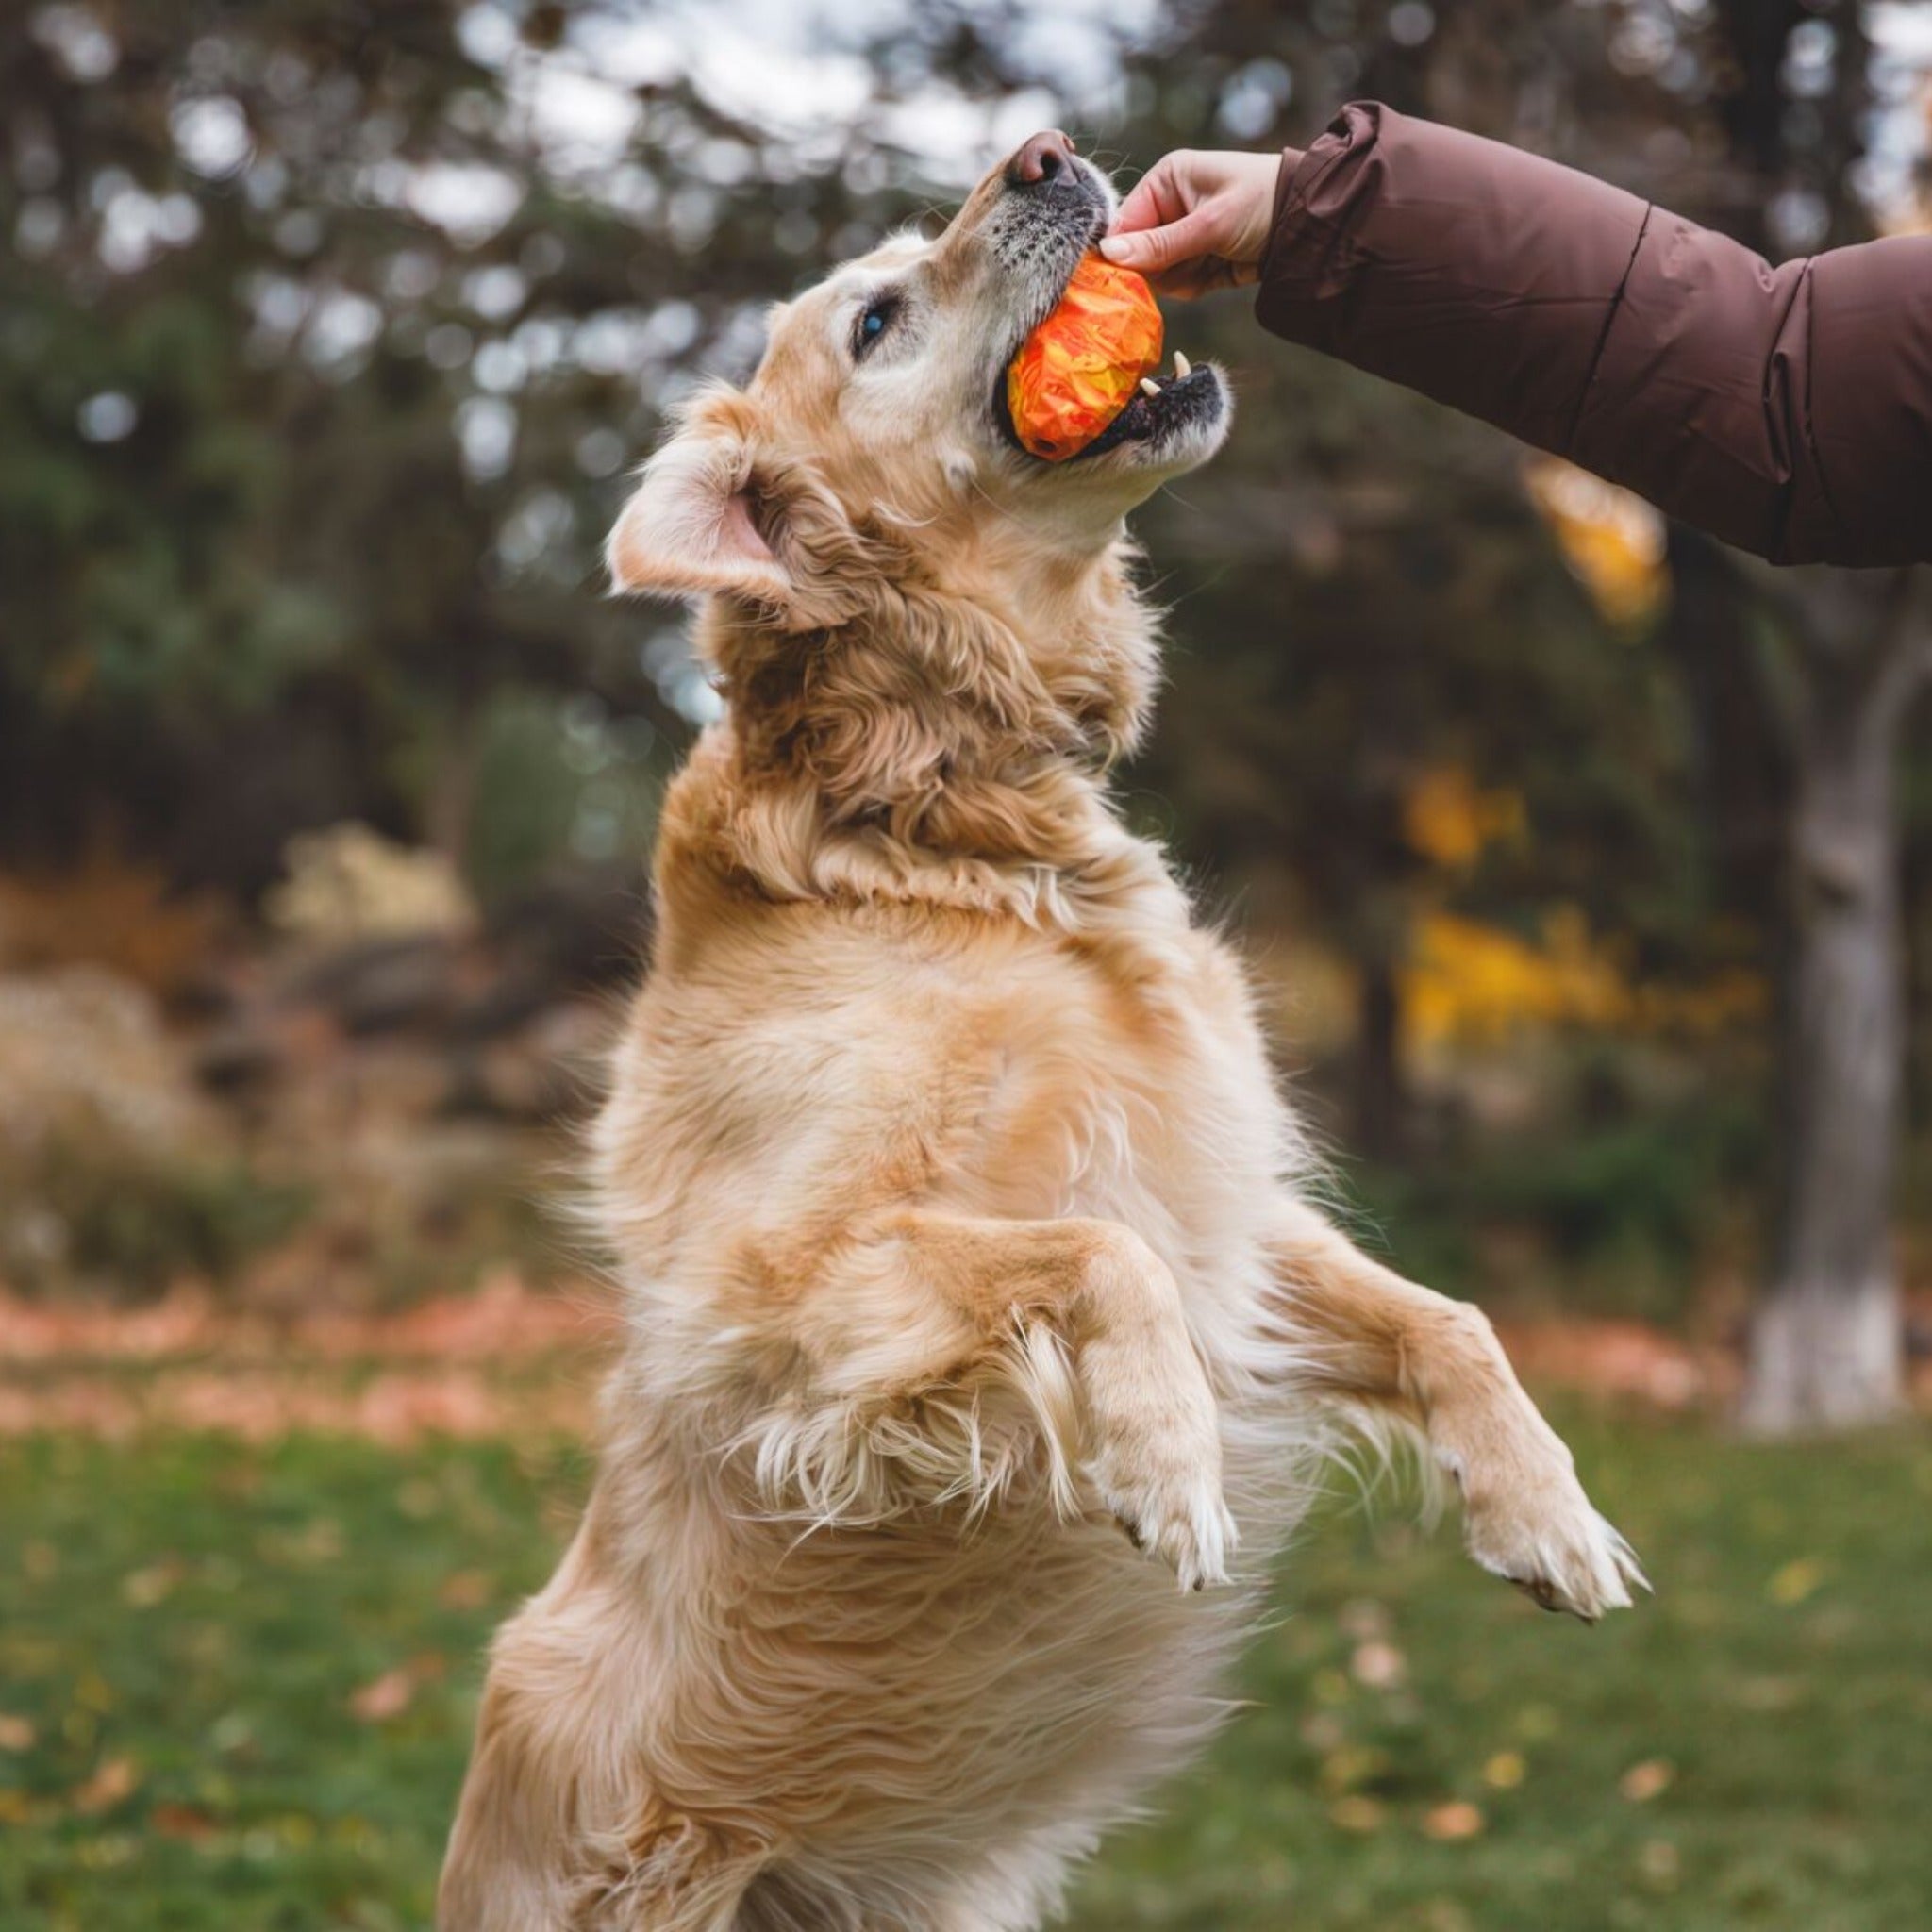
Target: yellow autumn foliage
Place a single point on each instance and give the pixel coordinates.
(1467, 983)
(1612, 541)
(1447, 818)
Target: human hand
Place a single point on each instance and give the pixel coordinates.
(1196, 221)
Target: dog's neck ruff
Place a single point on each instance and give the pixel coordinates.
(923, 753)
(1063, 863)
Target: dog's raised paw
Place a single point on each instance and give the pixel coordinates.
(1173, 1512)
(1557, 1550)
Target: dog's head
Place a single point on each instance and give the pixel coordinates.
(875, 435)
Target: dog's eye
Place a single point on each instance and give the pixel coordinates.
(873, 323)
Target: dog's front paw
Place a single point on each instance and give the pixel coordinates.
(1164, 1491)
(1543, 1535)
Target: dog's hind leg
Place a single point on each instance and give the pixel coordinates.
(504, 1868)
(1380, 1344)
(559, 1828)
(523, 1857)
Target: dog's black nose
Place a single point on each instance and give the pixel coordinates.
(1043, 158)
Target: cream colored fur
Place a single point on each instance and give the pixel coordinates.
(960, 1223)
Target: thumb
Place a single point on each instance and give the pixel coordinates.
(1151, 250)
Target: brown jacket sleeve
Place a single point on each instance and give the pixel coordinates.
(1786, 410)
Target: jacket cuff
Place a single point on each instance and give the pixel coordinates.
(1297, 243)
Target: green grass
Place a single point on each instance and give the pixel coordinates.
(184, 1625)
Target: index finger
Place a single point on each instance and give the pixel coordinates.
(1154, 201)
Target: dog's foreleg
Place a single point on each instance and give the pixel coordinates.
(918, 1299)
(1368, 1337)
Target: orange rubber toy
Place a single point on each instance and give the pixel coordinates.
(1079, 369)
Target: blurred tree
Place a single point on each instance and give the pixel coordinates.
(1828, 1342)
(1822, 668)
(325, 332)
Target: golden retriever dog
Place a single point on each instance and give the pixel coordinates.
(959, 1224)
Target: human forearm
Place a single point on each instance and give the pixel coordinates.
(1788, 410)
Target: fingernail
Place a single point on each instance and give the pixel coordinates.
(1117, 247)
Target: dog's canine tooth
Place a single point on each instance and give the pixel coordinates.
(1182, 367)
(1149, 386)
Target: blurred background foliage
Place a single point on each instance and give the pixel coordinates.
(329, 333)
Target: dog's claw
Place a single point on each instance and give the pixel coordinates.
(1542, 1593)
(1184, 1524)
(1560, 1554)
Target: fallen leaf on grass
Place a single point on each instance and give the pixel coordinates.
(145, 1587)
(1648, 1780)
(16, 1733)
(1455, 1820)
(392, 1694)
(113, 1779)
(1356, 1813)
(384, 1697)
(1795, 1581)
(464, 1590)
(1504, 1770)
(1380, 1665)
(183, 1821)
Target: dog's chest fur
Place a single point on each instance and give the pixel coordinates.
(950, 1690)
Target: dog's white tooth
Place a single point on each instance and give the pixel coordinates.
(1182, 367)
(1149, 386)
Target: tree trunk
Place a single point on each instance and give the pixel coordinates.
(452, 798)
(1827, 1348)
(1381, 1091)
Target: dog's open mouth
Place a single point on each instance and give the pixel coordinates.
(1081, 375)
(1163, 405)
(1105, 340)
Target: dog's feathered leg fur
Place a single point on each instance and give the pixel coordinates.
(1393, 1351)
(1144, 1413)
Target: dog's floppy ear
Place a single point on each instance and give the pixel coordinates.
(691, 528)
